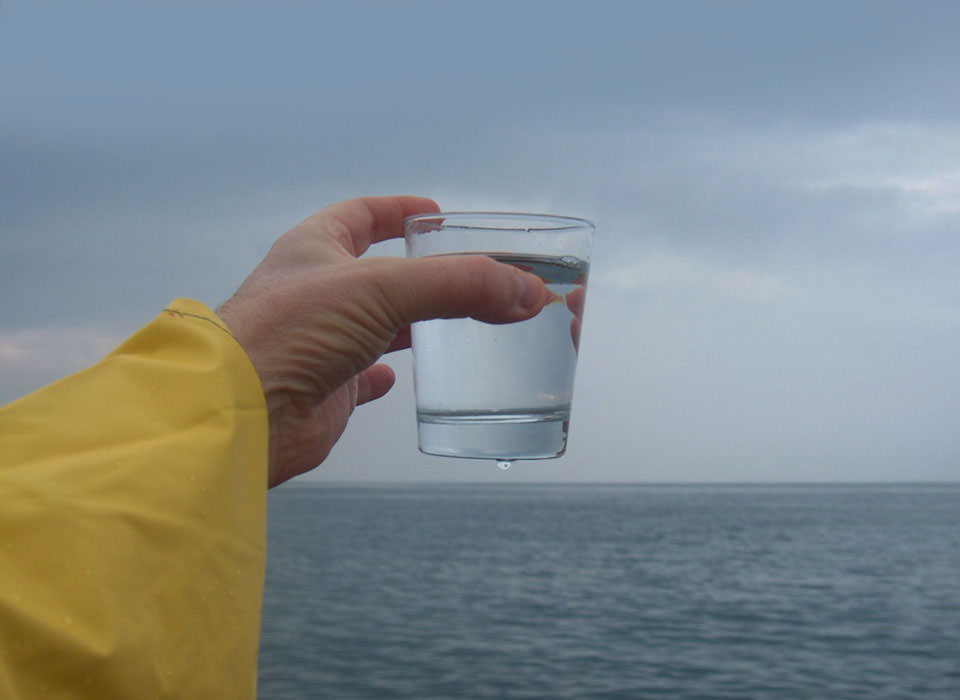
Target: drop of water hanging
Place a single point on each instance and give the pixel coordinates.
(504, 464)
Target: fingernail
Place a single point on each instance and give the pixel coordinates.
(531, 291)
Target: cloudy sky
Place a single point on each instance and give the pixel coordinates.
(774, 293)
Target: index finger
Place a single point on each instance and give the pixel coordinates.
(358, 223)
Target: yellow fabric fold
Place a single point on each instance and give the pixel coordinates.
(132, 521)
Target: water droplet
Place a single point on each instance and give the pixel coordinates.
(504, 464)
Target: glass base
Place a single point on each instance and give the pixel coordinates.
(500, 436)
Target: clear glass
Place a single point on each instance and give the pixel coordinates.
(501, 392)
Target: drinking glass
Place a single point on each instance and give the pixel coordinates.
(501, 392)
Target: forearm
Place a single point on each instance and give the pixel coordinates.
(132, 521)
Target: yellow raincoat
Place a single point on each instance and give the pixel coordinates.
(132, 522)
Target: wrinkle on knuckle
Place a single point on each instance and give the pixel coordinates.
(382, 310)
(341, 232)
(355, 221)
(369, 214)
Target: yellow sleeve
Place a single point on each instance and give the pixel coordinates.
(132, 522)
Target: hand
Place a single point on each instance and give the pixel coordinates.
(574, 301)
(314, 319)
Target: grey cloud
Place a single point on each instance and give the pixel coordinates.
(773, 293)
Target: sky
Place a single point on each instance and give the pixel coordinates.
(776, 186)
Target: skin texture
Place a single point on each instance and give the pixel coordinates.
(314, 319)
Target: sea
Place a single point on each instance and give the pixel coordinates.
(612, 591)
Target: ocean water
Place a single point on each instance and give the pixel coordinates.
(517, 591)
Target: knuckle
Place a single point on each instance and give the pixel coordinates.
(384, 308)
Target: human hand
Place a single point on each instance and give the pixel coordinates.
(574, 301)
(314, 319)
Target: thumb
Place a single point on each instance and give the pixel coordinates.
(459, 286)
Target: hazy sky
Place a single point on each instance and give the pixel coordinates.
(774, 293)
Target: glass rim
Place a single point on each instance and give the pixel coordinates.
(563, 223)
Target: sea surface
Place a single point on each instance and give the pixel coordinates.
(517, 591)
